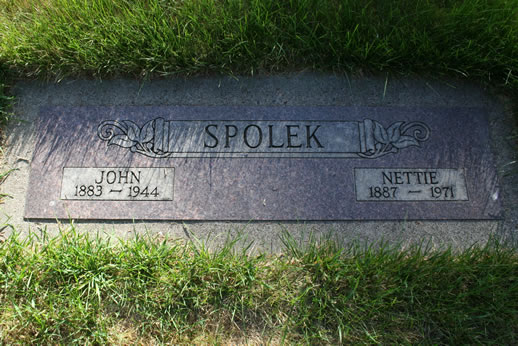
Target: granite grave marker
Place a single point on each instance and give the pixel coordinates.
(262, 163)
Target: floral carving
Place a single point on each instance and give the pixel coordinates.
(127, 134)
(397, 136)
(157, 137)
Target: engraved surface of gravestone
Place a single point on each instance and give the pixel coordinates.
(262, 163)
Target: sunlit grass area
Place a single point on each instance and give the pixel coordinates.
(56, 38)
(75, 288)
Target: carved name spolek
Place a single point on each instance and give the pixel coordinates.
(159, 138)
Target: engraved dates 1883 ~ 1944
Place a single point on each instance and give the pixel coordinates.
(118, 184)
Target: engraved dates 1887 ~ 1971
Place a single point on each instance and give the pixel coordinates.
(403, 184)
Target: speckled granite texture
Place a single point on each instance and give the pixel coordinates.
(262, 188)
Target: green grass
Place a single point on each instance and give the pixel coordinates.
(5, 115)
(5, 101)
(476, 39)
(80, 289)
(56, 38)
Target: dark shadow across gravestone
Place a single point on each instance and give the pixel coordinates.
(262, 163)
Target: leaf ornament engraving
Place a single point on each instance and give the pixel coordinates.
(159, 138)
(127, 134)
(380, 141)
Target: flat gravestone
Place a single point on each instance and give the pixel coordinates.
(262, 163)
